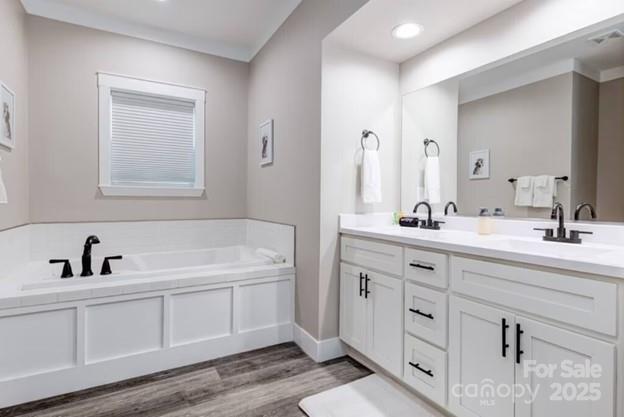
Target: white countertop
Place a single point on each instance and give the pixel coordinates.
(592, 258)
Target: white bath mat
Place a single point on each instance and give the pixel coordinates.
(371, 396)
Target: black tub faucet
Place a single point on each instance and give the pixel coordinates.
(580, 207)
(86, 256)
(449, 205)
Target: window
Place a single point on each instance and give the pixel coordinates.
(151, 138)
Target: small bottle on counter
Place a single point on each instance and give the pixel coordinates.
(485, 225)
(499, 212)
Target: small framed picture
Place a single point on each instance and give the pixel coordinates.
(479, 165)
(7, 104)
(266, 143)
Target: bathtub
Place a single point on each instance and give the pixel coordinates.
(42, 275)
(158, 310)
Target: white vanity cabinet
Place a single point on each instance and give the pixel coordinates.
(370, 315)
(490, 346)
(464, 331)
(476, 356)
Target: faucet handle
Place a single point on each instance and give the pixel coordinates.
(67, 269)
(547, 231)
(106, 268)
(575, 235)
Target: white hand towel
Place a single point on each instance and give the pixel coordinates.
(544, 191)
(432, 180)
(420, 179)
(524, 192)
(3, 191)
(371, 177)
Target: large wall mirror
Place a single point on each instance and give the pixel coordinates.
(544, 128)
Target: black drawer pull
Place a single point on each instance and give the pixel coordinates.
(424, 371)
(427, 267)
(519, 351)
(361, 286)
(505, 346)
(366, 291)
(420, 313)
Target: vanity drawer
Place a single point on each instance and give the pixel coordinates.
(426, 314)
(583, 302)
(375, 255)
(427, 267)
(425, 369)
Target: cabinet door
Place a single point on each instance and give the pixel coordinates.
(549, 355)
(352, 307)
(385, 315)
(478, 359)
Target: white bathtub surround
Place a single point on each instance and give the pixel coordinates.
(210, 296)
(319, 350)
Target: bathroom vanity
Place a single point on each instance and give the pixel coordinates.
(462, 318)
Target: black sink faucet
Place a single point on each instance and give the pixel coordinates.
(86, 256)
(560, 217)
(580, 207)
(449, 205)
(561, 236)
(429, 223)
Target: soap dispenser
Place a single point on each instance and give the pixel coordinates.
(485, 225)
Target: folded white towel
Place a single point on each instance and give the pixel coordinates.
(371, 177)
(3, 191)
(524, 192)
(272, 255)
(432, 180)
(544, 191)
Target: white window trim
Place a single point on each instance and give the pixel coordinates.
(108, 82)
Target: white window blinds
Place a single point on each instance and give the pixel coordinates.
(152, 140)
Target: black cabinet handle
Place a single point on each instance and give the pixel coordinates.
(424, 371)
(427, 267)
(366, 291)
(519, 351)
(429, 316)
(504, 327)
(361, 286)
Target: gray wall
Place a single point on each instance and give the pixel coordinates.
(528, 131)
(347, 110)
(285, 85)
(610, 194)
(64, 60)
(584, 141)
(14, 73)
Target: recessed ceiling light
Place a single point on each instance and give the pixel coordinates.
(407, 31)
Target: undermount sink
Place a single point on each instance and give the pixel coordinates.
(563, 250)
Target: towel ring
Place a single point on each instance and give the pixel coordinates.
(365, 135)
(429, 142)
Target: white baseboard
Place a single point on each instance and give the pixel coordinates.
(319, 350)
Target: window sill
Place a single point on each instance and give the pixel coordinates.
(123, 191)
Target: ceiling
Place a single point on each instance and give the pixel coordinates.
(370, 29)
(234, 29)
(601, 63)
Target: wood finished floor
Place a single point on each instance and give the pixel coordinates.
(267, 382)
